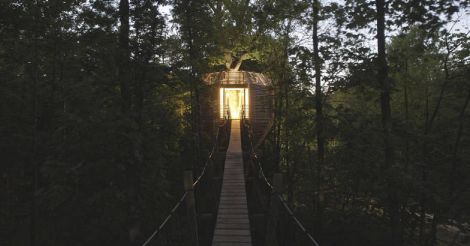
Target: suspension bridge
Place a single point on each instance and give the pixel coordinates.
(216, 209)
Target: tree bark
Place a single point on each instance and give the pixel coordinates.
(193, 76)
(318, 112)
(124, 77)
(428, 124)
(34, 67)
(286, 81)
(455, 153)
(384, 82)
(407, 119)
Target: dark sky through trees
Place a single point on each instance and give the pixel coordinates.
(102, 109)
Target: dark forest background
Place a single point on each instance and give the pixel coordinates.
(99, 114)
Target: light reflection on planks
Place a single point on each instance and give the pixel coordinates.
(233, 226)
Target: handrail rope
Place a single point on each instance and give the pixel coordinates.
(205, 167)
(211, 154)
(296, 220)
(262, 175)
(170, 215)
(180, 201)
(283, 201)
(255, 157)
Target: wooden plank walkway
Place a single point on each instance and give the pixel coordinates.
(233, 226)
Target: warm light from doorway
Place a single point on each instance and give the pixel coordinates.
(234, 100)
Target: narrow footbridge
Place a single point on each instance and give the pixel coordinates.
(233, 226)
(231, 201)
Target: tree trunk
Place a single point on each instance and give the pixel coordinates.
(193, 76)
(393, 199)
(319, 112)
(428, 124)
(277, 132)
(124, 77)
(455, 153)
(285, 86)
(34, 67)
(407, 121)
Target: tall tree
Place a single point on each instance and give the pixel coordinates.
(385, 85)
(131, 143)
(318, 108)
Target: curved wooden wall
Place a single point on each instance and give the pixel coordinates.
(261, 113)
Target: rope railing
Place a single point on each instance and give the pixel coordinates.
(211, 154)
(261, 171)
(171, 214)
(165, 221)
(296, 220)
(254, 156)
(265, 180)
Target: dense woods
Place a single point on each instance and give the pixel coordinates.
(100, 114)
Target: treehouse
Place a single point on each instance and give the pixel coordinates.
(238, 94)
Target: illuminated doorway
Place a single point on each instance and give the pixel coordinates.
(234, 102)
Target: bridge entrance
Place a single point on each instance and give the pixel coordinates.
(234, 102)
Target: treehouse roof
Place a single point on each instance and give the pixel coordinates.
(233, 78)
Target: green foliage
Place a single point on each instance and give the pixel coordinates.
(69, 149)
(61, 123)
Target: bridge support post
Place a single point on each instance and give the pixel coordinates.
(191, 207)
(273, 216)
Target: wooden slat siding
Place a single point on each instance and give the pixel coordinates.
(233, 225)
(261, 111)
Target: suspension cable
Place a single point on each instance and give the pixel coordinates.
(261, 173)
(183, 197)
(296, 220)
(163, 224)
(283, 201)
(255, 157)
(211, 154)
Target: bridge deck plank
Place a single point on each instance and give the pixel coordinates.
(233, 226)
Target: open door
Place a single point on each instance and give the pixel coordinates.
(234, 102)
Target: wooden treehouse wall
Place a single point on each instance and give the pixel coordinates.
(261, 102)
